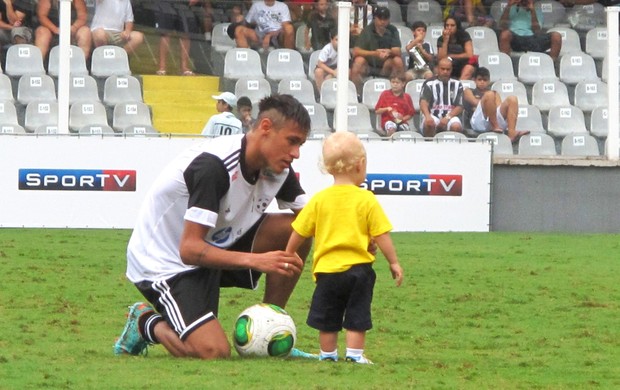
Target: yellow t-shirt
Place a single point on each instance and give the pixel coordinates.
(342, 219)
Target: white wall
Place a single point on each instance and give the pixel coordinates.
(62, 177)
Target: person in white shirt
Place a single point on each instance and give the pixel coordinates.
(267, 23)
(112, 24)
(327, 61)
(224, 123)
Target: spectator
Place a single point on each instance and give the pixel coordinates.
(456, 44)
(342, 266)
(360, 17)
(421, 56)
(234, 12)
(320, 24)
(377, 50)
(299, 10)
(521, 30)
(472, 12)
(395, 107)
(113, 25)
(327, 62)
(487, 110)
(5, 25)
(20, 13)
(268, 23)
(441, 101)
(244, 113)
(176, 16)
(47, 34)
(224, 123)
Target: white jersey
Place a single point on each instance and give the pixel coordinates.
(225, 123)
(111, 15)
(329, 56)
(206, 185)
(268, 19)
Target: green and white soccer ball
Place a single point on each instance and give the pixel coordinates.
(264, 330)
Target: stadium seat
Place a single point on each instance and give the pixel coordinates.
(314, 58)
(598, 122)
(83, 87)
(24, 59)
(576, 67)
(371, 91)
(497, 9)
(284, 63)
(358, 118)
(507, 88)
(329, 90)
(529, 119)
(580, 144)
(139, 130)
(319, 134)
(93, 129)
(534, 67)
(302, 89)
(408, 136)
(564, 120)
(427, 10)
(570, 40)
(548, 93)
(537, 144)
(127, 114)
(396, 13)
(6, 88)
(368, 136)
(241, 62)
(501, 142)
(596, 42)
(119, 89)
(484, 39)
(450, 136)
(583, 17)
(46, 129)
(300, 39)
(109, 60)
(590, 94)
(405, 35)
(318, 118)
(8, 112)
(11, 128)
(554, 13)
(221, 42)
(86, 113)
(499, 65)
(434, 31)
(255, 88)
(32, 88)
(40, 113)
(77, 61)
(414, 89)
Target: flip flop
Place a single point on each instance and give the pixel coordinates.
(518, 136)
(161, 72)
(188, 73)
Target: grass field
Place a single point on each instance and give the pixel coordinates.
(476, 311)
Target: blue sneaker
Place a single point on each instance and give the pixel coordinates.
(359, 359)
(297, 353)
(328, 358)
(131, 341)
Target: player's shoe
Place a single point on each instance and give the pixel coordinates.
(131, 341)
(328, 358)
(359, 359)
(297, 353)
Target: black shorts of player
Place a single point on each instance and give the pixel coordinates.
(538, 43)
(191, 299)
(176, 16)
(343, 300)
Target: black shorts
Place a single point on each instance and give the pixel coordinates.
(343, 300)
(191, 299)
(175, 16)
(538, 43)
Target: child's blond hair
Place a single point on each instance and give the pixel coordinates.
(342, 151)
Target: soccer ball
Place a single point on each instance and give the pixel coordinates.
(264, 330)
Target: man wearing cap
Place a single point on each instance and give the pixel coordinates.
(377, 50)
(224, 123)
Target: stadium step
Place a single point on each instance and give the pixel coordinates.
(181, 105)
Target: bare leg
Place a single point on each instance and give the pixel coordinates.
(489, 103)
(358, 70)
(184, 43)
(430, 128)
(556, 44)
(505, 38)
(209, 341)
(328, 341)
(356, 339)
(164, 48)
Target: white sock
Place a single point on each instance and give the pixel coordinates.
(329, 355)
(354, 353)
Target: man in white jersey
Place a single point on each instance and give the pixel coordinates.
(113, 25)
(203, 226)
(224, 123)
(267, 23)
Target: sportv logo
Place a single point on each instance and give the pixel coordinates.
(77, 180)
(402, 184)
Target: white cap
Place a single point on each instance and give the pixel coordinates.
(228, 97)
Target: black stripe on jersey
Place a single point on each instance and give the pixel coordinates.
(291, 188)
(207, 180)
(232, 160)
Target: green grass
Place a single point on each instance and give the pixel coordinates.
(476, 311)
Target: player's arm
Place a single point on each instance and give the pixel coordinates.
(195, 251)
(385, 244)
(294, 242)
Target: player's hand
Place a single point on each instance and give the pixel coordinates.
(397, 274)
(282, 263)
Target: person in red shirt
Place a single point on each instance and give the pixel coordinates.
(395, 107)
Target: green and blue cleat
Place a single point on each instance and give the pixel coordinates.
(131, 341)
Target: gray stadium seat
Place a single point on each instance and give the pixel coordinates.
(590, 94)
(329, 90)
(32, 88)
(507, 88)
(450, 136)
(534, 67)
(548, 93)
(414, 89)
(318, 118)
(40, 113)
(23, 59)
(358, 118)
(302, 89)
(596, 42)
(564, 120)
(371, 91)
(93, 129)
(598, 122)
(6, 88)
(530, 119)
(427, 10)
(499, 65)
(84, 113)
(242, 62)
(484, 39)
(127, 114)
(284, 63)
(300, 39)
(314, 58)
(408, 136)
(51, 129)
(255, 88)
(501, 142)
(109, 60)
(570, 39)
(583, 17)
(554, 13)
(8, 112)
(119, 89)
(580, 144)
(11, 128)
(576, 67)
(83, 87)
(77, 61)
(139, 130)
(537, 144)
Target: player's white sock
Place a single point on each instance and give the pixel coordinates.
(333, 355)
(355, 354)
